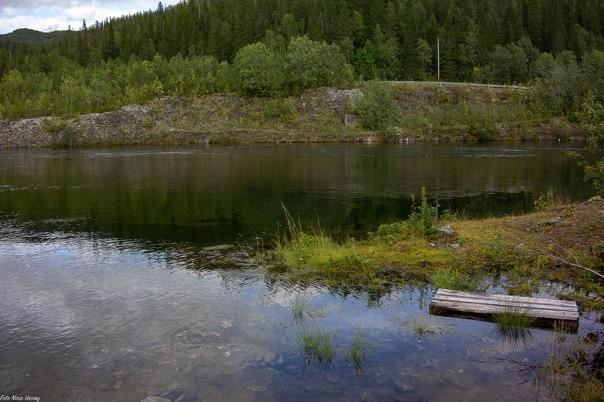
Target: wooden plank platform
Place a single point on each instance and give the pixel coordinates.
(547, 312)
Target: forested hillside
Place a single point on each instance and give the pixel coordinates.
(201, 46)
(387, 39)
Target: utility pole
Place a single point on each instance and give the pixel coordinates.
(438, 58)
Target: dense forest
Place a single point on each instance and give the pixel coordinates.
(272, 47)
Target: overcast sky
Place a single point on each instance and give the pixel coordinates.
(50, 15)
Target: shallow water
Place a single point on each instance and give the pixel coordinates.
(110, 292)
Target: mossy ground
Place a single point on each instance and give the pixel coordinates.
(524, 250)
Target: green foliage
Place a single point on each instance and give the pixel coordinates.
(53, 126)
(427, 326)
(357, 353)
(318, 346)
(513, 319)
(314, 64)
(298, 308)
(377, 108)
(422, 219)
(447, 278)
(545, 201)
(261, 71)
(195, 48)
(107, 86)
(508, 64)
(560, 87)
(391, 233)
(591, 117)
(383, 39)
(278, 108)
(592, 120)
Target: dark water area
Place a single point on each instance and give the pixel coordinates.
(110, 292)
(217, 194)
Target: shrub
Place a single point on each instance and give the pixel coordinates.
(314, 64)
(423, 217)
(377, 108)
(545, 201)
(260, 70)
(592, 121)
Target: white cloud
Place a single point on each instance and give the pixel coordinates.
(49, 15)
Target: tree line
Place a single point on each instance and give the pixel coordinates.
(273, 47)
(380, 38)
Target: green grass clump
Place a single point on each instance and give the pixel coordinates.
(54, 126)
(447, 278)
(298, 308)
(357, 353)
(279, 108)
(318, 346)
(513, 320)
(427, 326)
(391, 233)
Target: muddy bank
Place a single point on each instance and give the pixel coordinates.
(456, 114)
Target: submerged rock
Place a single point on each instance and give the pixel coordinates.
(220, 247)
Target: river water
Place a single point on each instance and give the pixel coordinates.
(124, 273)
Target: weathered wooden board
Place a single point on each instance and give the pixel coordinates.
(546, 311)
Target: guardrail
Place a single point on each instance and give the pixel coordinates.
(468, 84)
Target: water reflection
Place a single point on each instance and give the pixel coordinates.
(216, 195)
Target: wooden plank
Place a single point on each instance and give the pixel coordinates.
(514, 302)
(490, 309)
(546, 311)
(503, 303)
(505, 297)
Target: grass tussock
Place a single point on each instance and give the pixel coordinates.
(318, 346)
(513, 326)
(299, 308)
(357, 353)
(448, 278)
(425, 326)
(513, 319)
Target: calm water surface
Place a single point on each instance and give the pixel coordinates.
(112, 289)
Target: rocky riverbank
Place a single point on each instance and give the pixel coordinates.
(427, 113)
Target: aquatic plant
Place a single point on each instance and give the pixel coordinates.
(513, 320)
(427, 326)
(318, 345)
(298, 308)
(357, 351)
(567, 374)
